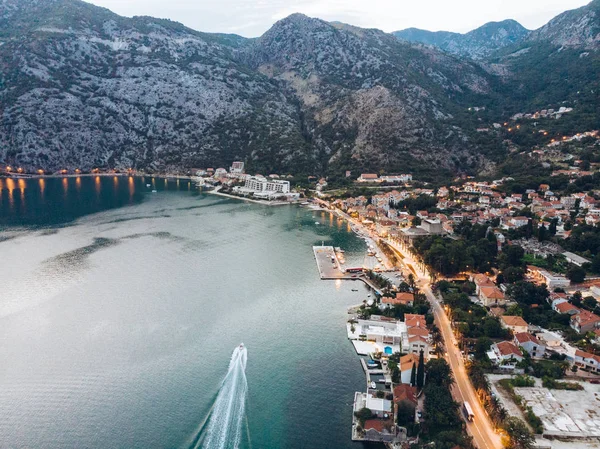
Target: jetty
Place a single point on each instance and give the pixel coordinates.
(330, 268)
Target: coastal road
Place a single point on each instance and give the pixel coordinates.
(481, 429)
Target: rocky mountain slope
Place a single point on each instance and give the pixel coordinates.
(81, 87)
(579, 28)
(477, 44)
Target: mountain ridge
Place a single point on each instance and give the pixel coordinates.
(81, 87)
(476, 44)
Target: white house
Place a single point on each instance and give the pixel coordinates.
(586, 360)
(530, 344)
(505, 353)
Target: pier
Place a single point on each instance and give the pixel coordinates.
(330, 268)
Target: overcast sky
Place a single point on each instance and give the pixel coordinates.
(251, 18)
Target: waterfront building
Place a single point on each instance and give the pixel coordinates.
(262, 187)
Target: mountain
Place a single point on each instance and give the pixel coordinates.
(477, 44)
(369, 100)
(577, 28)
(81, 87)
(556, 64)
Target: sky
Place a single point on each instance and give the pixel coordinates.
(251, 18)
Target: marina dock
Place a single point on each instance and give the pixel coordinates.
(330, 268)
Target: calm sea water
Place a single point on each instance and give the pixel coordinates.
(116, 329)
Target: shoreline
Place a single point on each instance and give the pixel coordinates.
(241, 198)
(90, 175)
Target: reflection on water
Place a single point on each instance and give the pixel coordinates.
(45, 201)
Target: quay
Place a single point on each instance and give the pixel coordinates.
(330, 268)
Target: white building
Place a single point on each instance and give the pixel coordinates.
(396, 178)
(237, 167)
(264, 188)
(391, 335)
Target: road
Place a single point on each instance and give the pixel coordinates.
(481, 429)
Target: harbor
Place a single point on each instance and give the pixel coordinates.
(330, 268)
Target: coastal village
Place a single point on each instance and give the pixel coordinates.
(483, 295)
(538, 329)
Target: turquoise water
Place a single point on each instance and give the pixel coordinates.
(118, 328)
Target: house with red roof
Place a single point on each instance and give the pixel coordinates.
(515, 323)
(384, 431)
(585, 321)
(530, 344)
(563, 307)
(586, 360)
(491, 296)
(405, 392)
(505, 353)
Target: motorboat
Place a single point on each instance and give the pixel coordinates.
(241, 346)
(354, 289)
(317, 223)
(148, 185)
(154, 191)
(373, 385)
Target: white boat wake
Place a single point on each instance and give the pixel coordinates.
(224, 428)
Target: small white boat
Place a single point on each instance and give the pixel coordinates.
(241, 346)
(373, 385)
(148, 185)
(317, 223)
(154, 191)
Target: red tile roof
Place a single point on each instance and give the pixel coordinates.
(405, 392)
(508, 348)
(524, 337)
(491, 292)
(513, 320)
(566, 307)
(413, 320)
(376, 424)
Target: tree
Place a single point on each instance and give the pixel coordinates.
(438, 373)
(514, 310)
(590, 302)
(552, 228)
(542, 233)
(518, 433)
(413, 375)
(528, 293)
(576, 274)
(363, 414)
(596, 264)
(421, 371)
(576, 299)
(405, 414)
(513, 255)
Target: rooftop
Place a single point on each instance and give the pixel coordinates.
(513, 320)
